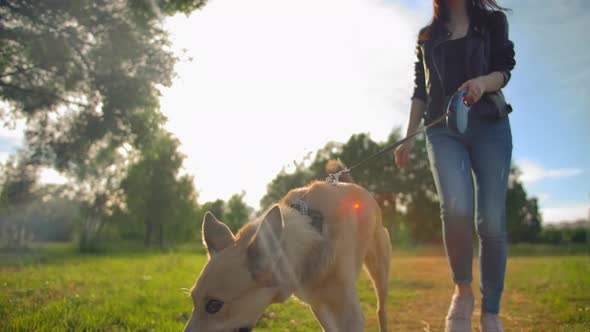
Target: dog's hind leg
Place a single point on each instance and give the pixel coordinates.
(377, 263)
(341, 312)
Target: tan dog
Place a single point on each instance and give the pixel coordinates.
(286, 252)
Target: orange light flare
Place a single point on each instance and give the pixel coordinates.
(349, 204)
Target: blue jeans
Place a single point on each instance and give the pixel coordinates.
(482, 155)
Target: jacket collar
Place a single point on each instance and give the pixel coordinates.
(442, 33)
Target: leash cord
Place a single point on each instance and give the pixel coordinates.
(334, 176)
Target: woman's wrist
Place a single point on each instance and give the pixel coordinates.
(492, 82)
(410, 132)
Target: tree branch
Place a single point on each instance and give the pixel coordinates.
(40, 92)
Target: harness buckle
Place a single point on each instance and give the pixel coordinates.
(304, 207)
(334, 178)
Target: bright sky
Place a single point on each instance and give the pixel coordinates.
(274, 80)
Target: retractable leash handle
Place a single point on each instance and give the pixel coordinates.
(458, 113)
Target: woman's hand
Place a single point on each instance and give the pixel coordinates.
(402, 154)
(475, 89)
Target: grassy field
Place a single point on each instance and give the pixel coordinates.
(60, 290)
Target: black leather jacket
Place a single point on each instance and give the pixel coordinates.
(488, 50)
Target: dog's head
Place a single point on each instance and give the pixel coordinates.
(241, 277)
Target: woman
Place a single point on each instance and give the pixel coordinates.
(466, 46)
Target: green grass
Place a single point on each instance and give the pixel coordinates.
(61, 290)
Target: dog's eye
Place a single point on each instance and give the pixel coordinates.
(213, 306)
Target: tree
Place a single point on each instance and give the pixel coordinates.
(156, 196)
(51, 216)
(85, 75)
(84, 71)
(523, 220)
(181, 227)
(237, 212)
(284, 182)
(19, 190)
(216, 207)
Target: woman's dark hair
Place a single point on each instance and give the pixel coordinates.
(476, 9)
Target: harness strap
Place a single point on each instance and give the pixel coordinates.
(317, 218)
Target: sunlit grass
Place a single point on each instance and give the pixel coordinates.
(66, 291)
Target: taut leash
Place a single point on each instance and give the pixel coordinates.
(334, 177)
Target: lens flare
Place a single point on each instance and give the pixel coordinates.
(356, 205)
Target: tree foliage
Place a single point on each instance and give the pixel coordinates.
(84, 71)
(237, 212)
(159, 201)
(85, 75)
(18, 191)
(523, 218)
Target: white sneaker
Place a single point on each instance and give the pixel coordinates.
(491, 323)
(459, 315)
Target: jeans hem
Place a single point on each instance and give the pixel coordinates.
(493, 312)
(463, 282)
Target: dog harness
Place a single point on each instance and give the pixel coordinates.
(317, 218)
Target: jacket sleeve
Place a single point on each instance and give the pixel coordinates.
(419, 81)
(501, 47)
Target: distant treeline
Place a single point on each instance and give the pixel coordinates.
(159, 207)
(559, 234)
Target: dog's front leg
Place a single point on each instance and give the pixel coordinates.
(340, 312)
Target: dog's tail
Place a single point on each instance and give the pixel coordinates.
(335, 166)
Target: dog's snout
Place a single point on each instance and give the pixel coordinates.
(190, 325)
(188, 328)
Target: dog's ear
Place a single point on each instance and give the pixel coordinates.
(268, 234)
(265, 245)
(215, 234)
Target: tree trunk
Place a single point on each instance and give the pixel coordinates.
(161, 236)
(20, 236)
(148, 232)
(89, 232)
